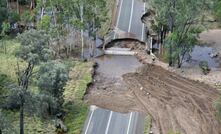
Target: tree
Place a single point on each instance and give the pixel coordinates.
(71, 15)
(27, 18)
(217, 10)
(88, 16)
(34, 49)
(5, 31)
(183, 19)
(52, 78)
(3, 12)
(44, 24)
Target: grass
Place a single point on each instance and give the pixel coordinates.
(8, 61)
(33, 124)
(172, 132)
(77, 110)
(147, 124)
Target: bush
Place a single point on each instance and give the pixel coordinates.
(3, 81)
(205, 67)
(13, 17)
(52, 78)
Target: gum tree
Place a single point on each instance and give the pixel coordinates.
(34, 49)
(183, 19)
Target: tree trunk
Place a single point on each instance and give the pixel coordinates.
(22, 117)
(42, 12)
(7, 9)
(170, 56)
(18, 8)
(5, 48)
(179, 63)
(82, 32)
(171, 26)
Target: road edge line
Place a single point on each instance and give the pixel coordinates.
(118, 17)
(142, 38)
(128, 128)
(89, 122)
(108, 123)
(131, 16)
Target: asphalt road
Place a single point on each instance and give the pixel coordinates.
(129, 18)
(101, 121)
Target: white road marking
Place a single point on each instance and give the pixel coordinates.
(128, 128)
(142, 38)
(118, 18)
(108, 124)
(92, 108)
(131, 15)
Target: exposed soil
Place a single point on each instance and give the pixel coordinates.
(212, 38)
(175, 102)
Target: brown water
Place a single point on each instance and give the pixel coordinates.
(116, 66)
(202, 53)
(199, 53)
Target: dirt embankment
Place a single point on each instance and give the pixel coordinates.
(175, 103)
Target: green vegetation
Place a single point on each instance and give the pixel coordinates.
(217, 10)
(80, 77)
(183, 20)
(204, 67)
(8, 61)
(172, 132)
(33, 124)
(39, 88)
(147, 124)
(51, 79)
(107, 24)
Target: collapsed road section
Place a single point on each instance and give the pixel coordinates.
(175, 103)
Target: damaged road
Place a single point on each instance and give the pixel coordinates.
(175, 103)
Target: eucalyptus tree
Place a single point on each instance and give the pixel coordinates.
(3, 12)
(71, 15)
(183, 19)
(34, 49)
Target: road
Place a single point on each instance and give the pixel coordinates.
(129, 15)
(102, 121)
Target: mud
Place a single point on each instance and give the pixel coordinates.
(174, 102)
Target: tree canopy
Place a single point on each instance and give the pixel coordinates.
(183, 20)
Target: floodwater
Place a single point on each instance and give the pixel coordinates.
(116, 66)
(202, 53)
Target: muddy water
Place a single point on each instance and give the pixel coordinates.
(202, 53)
(116, 66)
